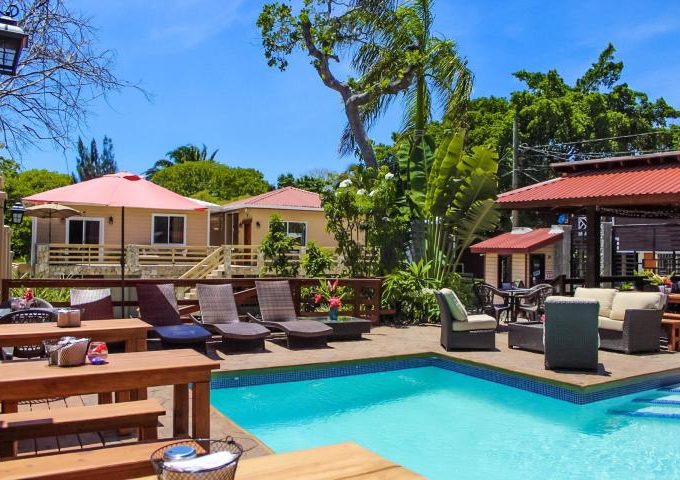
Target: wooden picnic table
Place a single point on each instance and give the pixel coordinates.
(332, 462)
(132, 331)
(30, 380)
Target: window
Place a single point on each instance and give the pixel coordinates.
(297, 230)
(84, 231)
(504, 271)
(168, 229)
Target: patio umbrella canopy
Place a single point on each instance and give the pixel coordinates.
(124, 190)
(50, 211)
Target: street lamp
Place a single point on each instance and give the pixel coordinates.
(12, 40)
(17, 212)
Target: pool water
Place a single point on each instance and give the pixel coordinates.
(446, 425)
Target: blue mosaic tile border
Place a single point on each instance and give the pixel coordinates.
(491, 375)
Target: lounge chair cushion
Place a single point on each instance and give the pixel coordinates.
(217, 303)
(182, 333)
(275, 300)
(456, 307)
(603, 295)
(634, 300)
(475, 322)
(242, 331)
(607, 323)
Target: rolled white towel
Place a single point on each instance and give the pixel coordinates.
(197, 464)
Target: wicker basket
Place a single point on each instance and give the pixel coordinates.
(205, 447)
(69, 355)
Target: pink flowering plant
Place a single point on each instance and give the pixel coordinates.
(330, 294)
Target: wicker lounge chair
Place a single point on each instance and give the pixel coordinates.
(473, 332)
(486, 296)
(278, 313)
(95, 304)
(219, 315)
(570, 333)
(30, 315)
(158, 307)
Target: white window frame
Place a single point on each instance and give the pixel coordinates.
(67, 234)
(288, 222)
(184, 233)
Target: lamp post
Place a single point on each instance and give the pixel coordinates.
(17, 212)
(12, 40)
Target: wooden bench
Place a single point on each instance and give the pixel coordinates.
(112, 463)
(73, 420)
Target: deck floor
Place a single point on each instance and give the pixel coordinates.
(381, 342)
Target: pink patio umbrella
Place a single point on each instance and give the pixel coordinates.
(124, 190)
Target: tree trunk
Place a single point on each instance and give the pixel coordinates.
(359, 132)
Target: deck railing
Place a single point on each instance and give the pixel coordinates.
(363, 300)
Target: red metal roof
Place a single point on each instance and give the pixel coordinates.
(518, 242)
(645, 185)
(289, 198)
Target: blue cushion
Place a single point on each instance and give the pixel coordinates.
(182, 333)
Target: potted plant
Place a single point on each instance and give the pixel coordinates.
(329, 293)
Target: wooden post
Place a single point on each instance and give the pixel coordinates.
(592, 277)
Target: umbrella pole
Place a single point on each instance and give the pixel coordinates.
(49, 229)
(122, 262)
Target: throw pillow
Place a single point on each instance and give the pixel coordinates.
(456, 307)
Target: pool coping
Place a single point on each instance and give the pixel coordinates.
(543, 386)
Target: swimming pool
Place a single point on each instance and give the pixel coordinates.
(444, 424)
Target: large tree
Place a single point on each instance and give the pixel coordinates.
(183, 154)
(313, 181)
(20, 184)
(211, 181)
(60, 73)
(90, 164)
(380, 38)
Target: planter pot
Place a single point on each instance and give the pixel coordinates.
(333, 314)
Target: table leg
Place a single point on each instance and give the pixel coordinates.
(180, 411)
(200, 410)
(673, 338)
(9, 449)
(106, 397)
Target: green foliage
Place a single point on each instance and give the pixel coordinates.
(276, 247)
(318, 261)
(184, 154)
(365, 220)
(20, 184)
(90, 164)
(211, 181)
(553, 112)
(315, 181)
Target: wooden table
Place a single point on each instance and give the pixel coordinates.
(671, 324)
(333, 462)
(132, 331)
(124, 371)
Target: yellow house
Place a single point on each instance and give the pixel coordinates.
(523, 255)
(246, 222)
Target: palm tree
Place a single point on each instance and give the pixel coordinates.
(442, 81)
(183, 154)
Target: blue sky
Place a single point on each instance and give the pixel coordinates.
(202, 62)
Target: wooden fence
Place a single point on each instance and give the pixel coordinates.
(363, 301)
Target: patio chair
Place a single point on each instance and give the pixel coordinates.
(570, 334)
(30, 315)
(486, 296)
(219, 315)
(277, 312)
(40, 303)
(460, 331)
(158, 307)
(532, 303)
(95, 304)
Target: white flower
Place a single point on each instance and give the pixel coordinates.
(361, 191)
(345, 183)
(373, 192)
(389, 176)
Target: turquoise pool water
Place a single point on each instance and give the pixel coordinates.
(447, 425)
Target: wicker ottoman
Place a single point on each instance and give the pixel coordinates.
(526, 335)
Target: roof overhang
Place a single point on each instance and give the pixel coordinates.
(234, 208)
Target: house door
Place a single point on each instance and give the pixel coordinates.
(537, 268)
(247, 231)
(84, 231)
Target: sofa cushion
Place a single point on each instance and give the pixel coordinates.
(609, 324)
(475, 322)
(634, 300)
(456, 307)
(603, 295)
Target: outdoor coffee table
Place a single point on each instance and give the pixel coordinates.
(345, 327)
(672, 328)
(526, 335)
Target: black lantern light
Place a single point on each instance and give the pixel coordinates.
(17, 212)
(12, 40)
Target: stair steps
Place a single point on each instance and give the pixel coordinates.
(662, 403)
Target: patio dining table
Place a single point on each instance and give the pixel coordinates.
(514, 299)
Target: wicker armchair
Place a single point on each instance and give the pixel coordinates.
(96, 304)
(532, 303)
(486, 296)
(31, 315)
(570, 334)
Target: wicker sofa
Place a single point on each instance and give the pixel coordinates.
(460, 331)
(628, 322)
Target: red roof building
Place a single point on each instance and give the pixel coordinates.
(283, 198)
(520, 241)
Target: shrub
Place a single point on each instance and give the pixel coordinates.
(317, 261)
(276, 247)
